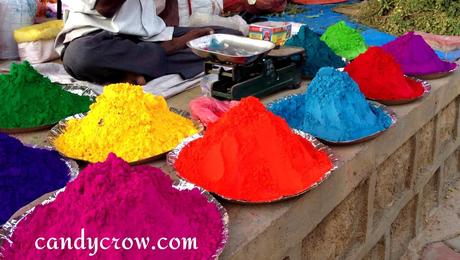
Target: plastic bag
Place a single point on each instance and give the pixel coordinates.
(160, 5)
(44, 31)
(38, 51)
(188, 7)
(260, 6)
(206, 83)
(14, 14)
(233, 22)
(208, 110)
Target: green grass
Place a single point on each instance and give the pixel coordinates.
(400, 16)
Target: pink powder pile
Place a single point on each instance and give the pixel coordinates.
(415, 56)
(114, 200)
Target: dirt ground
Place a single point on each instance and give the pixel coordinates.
(440, 240)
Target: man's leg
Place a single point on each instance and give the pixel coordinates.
(103, 57)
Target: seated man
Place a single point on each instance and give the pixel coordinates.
(109, 41)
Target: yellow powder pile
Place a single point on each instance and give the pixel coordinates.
(126, 121)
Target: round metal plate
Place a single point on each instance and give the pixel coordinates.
(175, 153)
(375, 104)
(436, 75)
(7, 230)
(78, 90)
(385, 109)
(426, 92)
(60, 129)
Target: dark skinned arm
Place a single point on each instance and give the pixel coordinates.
(179, 43)
(108, 8)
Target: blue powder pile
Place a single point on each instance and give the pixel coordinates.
(26, 174)
(332, 109)
(318, 53)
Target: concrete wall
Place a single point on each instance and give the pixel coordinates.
(376, 203)
(384, 212)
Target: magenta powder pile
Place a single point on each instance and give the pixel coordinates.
(416, 57)
(114, 200)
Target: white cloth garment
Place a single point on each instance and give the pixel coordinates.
(166, 86)
(135, 17)
(161, 5)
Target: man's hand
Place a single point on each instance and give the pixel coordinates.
(179, 43)
(108, 8)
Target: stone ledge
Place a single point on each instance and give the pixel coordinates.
(257, 231)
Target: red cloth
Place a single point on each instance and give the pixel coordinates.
(261, 6)
(41, 8)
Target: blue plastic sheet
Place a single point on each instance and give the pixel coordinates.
(320, 17)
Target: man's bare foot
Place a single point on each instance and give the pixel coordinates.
(135, 79)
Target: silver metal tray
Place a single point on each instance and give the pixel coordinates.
(77, 90)
(386, 110)
(60, 129)
(184, 185)
(375, 104)
(7, 230)
(426, 92)
(174, 155)
(436, 75)
(255, 48)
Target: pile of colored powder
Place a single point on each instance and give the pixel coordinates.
(344, 40)
(26, 174)
(332, 109)
(380, 77)
(28, 99)
(317, 52)
(114, 200)
(415, 56)
(126, 121)
(251, 155)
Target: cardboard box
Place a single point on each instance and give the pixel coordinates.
(276, 32)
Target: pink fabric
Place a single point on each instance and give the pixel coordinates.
(208, 110)
(441, 42)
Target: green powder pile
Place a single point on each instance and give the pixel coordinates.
(344, 40)
(29, 99)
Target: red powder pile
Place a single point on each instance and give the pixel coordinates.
(113, 200)
(380, 77)
(252, 155)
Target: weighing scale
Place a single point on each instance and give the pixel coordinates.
(260, 71)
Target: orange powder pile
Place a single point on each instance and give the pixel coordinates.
(252, 155)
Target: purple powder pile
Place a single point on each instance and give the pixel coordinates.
(26, 174)
(415, 56)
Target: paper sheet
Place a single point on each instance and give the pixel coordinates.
(166, 86)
